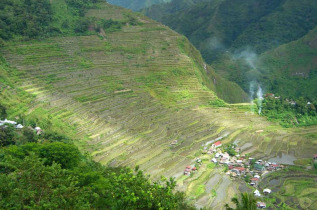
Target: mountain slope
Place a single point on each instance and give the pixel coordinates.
(293, 65)
(130, 92)
(231, 35)
(215, 26)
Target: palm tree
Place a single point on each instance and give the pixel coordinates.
(247, 202)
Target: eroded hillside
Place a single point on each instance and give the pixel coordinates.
(131, 92)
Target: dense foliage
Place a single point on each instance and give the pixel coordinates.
(290, 113)
(28, 18)
(247, 201)
(34, 18)
(56, 175)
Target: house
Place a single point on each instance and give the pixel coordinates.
(267, 191)
(187, 170)
(214, 160)
(315, 157)
(257, 176)
(261, 205)
(259, 167)
(2, 122)
(226, 155)
(216, 144)
(174, 142)
(275, 166)
(194, 169)
(19, 126)
(238, 170)
(38, 130)
(239, 162)
(257, 193)
(254, 181)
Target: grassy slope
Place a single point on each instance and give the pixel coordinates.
(129, 93)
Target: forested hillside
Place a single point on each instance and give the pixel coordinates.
(232, 34)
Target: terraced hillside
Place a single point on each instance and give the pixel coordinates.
(130, 93)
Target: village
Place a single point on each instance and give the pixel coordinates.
(236, 166)
(5, 122)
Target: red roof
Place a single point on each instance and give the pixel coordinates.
(218, 143)
(194, 169)
(274, 165)
(315, 156)
(231, 167)
(255, 179)
(187, 170)
(240, 168)
(188, 167)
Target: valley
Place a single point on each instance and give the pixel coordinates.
(130, 93)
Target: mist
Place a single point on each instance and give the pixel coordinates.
(253, 75)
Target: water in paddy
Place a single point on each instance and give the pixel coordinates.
(283, 158)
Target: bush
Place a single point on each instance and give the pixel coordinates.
(217, 103)
(82, 25)
(67, 155)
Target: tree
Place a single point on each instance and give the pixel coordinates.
(29, 184)
(3, 112)
(28, 135)
(7, 135)
(247, 202)
(65, 154)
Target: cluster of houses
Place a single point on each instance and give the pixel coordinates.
(189, 169)
(291, 102)
(38, 130)
(240, 166)
(3, 122)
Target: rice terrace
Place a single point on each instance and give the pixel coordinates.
(142, 96)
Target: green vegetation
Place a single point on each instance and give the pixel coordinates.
(122, 96)
(28, 19)
(231, 34)
(293, 188)
(215, 26)
(56, 175)
(289, 113)
(246, 201)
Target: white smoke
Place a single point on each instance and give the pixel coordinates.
(259, 95)
(250, 58)
(248, 55)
